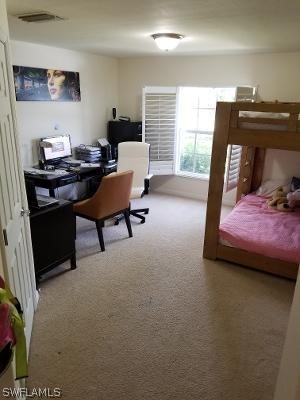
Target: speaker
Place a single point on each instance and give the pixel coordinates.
(114, 113)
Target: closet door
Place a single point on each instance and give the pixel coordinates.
(15, 242)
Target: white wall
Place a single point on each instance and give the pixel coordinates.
(107, 82)
(85, 120)
(288, 382)
(281, 164)
(276, 75)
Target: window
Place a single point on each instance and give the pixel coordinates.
(159, 127)
(179, 122)
(196, 117)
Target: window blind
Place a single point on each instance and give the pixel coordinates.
(233, 169)
(243, 93)
(159, 128)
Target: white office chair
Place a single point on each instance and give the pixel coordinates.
(135, 156)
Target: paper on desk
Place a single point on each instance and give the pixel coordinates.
(90, 165)
(31, 170)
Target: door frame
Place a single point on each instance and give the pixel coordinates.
(35, 295)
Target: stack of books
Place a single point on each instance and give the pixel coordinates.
(90, 154)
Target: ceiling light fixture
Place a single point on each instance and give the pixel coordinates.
(167, 41)
(39, 17)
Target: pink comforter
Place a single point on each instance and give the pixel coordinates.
(252, 226)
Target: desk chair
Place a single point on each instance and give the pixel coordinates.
(110, 199)
(135, 156)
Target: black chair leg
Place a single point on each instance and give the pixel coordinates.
(141, 210)
(128, 223)
(143, 219)
(99, 226)
(118, 219)
(135, 213)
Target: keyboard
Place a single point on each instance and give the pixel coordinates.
(35, 171)
(59, 172)
(44, 201)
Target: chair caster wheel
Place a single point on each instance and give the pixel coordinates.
(143, 221)
(147, 212)
(116, 222)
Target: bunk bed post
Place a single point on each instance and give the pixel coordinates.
(251, 171)
(246, 171)
(216, 181)
(258, 168)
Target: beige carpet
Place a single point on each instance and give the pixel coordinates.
(150, 319)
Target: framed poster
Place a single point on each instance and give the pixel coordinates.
(40, 84)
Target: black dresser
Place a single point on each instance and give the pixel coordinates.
(53, 236)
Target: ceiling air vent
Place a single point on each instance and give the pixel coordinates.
(39, 17)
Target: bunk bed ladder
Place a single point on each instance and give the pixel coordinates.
(235, 152)
(216, 181)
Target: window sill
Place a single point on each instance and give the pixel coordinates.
(190, 175)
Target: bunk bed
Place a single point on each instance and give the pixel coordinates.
(255, 127)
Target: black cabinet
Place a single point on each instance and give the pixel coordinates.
(53, 236)
(123, 131)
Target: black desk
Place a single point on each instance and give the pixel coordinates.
(82, 174)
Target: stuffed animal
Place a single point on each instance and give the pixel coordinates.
(294, 199)
(279, 200)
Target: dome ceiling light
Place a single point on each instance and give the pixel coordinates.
(167, 41)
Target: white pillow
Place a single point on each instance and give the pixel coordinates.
(268, 187)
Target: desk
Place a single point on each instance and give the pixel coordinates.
(53, 181)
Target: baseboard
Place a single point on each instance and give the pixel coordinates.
(36, 299)
(190, 195)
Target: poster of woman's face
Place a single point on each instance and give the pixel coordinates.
(40, 84)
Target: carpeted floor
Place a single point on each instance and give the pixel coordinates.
(150, 319)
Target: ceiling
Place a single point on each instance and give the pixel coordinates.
(122, 28)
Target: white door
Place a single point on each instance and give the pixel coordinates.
(15, 245)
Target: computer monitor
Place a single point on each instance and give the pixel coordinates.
(54, 148)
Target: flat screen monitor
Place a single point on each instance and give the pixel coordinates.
(55, 147)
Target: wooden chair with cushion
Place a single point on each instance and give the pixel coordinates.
(110, 199)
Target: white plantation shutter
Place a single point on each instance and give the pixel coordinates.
(159, 128)
(243, 93)
(233, 169)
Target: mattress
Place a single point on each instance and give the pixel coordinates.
(267, 116)
(254, 227)
(263, 114)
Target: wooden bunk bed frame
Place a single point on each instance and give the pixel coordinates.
(229, 129)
